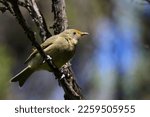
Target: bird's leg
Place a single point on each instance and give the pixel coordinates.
(48, 58)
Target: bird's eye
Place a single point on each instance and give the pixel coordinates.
(74, 33)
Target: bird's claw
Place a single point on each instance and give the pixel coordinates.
(62, 77)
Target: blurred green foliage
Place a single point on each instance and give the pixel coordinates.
(5, 70)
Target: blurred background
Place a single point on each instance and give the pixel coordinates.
(113, 62)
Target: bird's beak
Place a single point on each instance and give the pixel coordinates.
(84, 33)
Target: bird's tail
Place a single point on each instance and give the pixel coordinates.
(22, 76)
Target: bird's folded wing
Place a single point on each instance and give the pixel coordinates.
(44, 45)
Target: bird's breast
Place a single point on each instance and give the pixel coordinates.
(60, 55)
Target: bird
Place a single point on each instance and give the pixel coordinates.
(61, 48)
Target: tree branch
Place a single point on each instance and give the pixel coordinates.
(40, 21)
(71, 88)
(60, 17)
(37, 17)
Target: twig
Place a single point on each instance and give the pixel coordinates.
(6, 7)
(60, 17)
(37, 17)
(40, 21)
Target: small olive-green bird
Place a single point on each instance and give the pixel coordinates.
(61, 48)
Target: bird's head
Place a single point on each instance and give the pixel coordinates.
(73, 34)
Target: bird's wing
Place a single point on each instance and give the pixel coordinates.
(44, 45)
